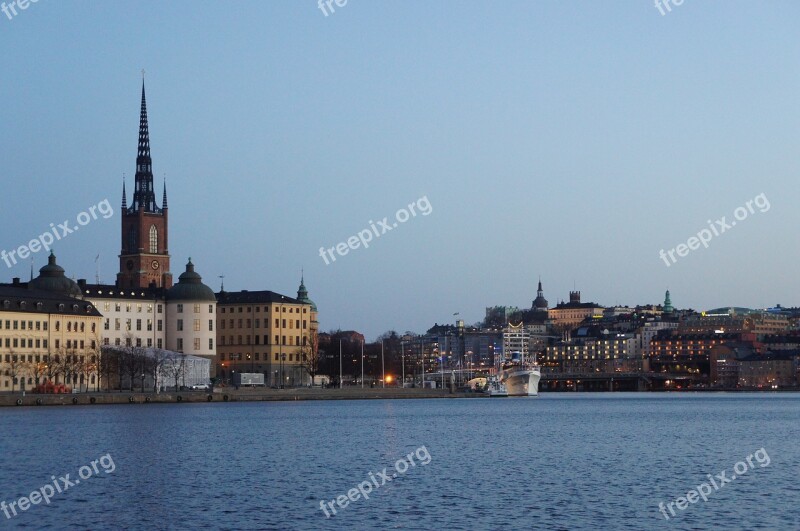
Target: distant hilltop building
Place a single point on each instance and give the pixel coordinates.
(567, 315)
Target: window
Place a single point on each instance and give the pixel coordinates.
(138, 308)
(297, 323)
(180, 325)
(149, 325)
(180, 344)
(116, 324)
(180, 308)
(210, 308)
(159, 343)
(210, 344)
(240, 323)
(196, 326)
(139, 325)
(159, 327)
(211, 325)
(283, 340)
(117, 307)
(159, 308)
(283, 322)
(138, 341)
(258, 323)
(107, 325)
(153, 239)
(196, 343)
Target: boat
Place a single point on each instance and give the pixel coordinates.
(495, 388)
(520, 375)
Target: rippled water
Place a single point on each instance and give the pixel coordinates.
(562, 461)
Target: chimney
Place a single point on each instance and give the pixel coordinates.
(15, 280)
(82, 283)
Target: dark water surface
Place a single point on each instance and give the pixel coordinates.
(562, 461)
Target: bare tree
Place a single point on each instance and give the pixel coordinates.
(155, 365)
(175, 367)
(309, 356)
(15, 369)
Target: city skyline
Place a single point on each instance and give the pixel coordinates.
(577, 155)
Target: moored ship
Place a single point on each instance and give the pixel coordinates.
(520, 375)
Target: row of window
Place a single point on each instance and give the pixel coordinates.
(42, 326)
(25, 343)
(196, 308)
(129, 342)
(258, 309)
(195, 325)
(129, 306)
(293, 340)
(20, 325)
(279, 323)
(39, 358)
(238, 357)
(129, 324)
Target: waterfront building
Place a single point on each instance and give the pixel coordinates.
(48, 332)
(268, 333)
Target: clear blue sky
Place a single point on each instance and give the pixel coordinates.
(571, 140)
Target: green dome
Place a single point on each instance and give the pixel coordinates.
(190, 287)
(302, 295)
(51, 278)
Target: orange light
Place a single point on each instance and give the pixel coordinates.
(389, 379)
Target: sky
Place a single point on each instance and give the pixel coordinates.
(568, 140)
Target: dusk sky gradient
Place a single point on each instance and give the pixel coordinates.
(571, 140)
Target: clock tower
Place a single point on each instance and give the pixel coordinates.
(144, 259)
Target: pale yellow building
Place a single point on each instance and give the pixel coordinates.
(268, 333)
(48, 333)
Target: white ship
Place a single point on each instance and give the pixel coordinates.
(520, 376)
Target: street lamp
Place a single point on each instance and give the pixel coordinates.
(283, 358)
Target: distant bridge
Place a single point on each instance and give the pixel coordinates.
(613, 381)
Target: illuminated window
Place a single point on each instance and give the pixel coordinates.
(153, 239)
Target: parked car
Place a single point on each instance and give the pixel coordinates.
(200, 387)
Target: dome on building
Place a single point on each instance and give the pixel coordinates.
(540, 303)
(302, 295)
(52, 278)
(190, 287)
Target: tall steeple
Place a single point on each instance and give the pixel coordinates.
(540, 304)
(144, 255)
(144, 196)
(164, 197)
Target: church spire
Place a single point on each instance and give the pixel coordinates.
(124, 197)
(143, 197)
(164, 198)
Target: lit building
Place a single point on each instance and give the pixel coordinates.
(266, 332)
(567, 315)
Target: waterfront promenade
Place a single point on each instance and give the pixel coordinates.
(226, 395)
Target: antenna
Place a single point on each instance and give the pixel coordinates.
(222, 283)
(97, 269)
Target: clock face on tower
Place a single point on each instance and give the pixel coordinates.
(154, 264)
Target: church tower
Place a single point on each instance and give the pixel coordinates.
(144, 258)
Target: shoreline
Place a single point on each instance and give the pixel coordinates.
(285, 395)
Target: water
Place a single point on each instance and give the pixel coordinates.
(562, 461)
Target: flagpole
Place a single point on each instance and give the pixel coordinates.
(362, 364)
(340, 364)
(383, 366)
